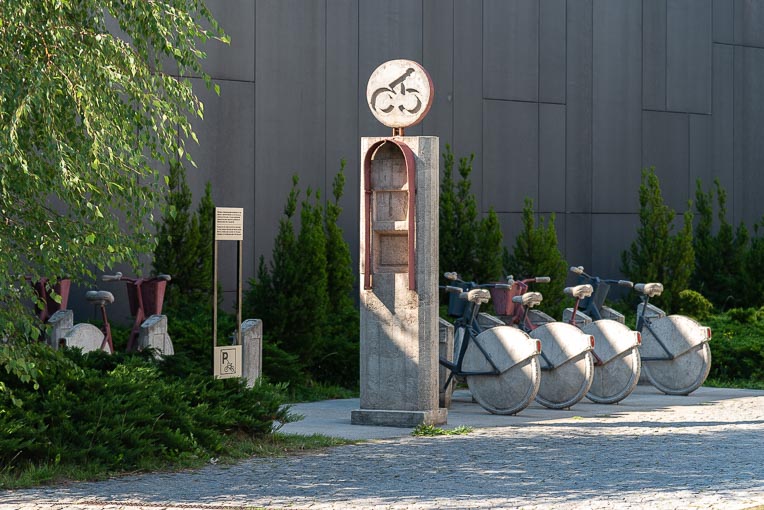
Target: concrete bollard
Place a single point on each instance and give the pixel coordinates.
(60, 323)
(154, 335)
(252, 350)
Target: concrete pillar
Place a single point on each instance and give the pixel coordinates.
(252, 350)
(399, 282)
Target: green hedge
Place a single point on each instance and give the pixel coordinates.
(122, 412)
(737, 346)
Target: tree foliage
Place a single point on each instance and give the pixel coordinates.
(86, 119)
(657, 254)
(469, 245)
(536, 253)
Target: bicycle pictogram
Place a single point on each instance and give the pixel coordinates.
(229, 368)
(396, 94)
(399, 94)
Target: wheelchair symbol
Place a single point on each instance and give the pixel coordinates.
(396, 94)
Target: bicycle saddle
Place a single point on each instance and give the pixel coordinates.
(579, 291)
(99, 297)
(478, 296)
(649, 289)
(529, 299)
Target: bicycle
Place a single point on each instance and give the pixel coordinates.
(617, 362)
(146, 297)
(499, 364)
(86, 336)
(567, 363)
(676, 357)
(142, 298)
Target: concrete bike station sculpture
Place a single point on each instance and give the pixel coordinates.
(399, 256)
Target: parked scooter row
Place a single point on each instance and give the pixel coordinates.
(145, 295)
(591, 353)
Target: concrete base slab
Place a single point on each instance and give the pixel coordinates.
(392, 418)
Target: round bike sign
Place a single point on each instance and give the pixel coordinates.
(399, 93)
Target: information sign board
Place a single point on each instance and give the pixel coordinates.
(229, 223)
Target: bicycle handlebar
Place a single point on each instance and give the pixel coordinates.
(580, 271)
(118, 276)
(542, 279)
(453, 276)
(111, 278)
(452, 289)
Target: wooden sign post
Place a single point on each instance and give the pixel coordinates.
(229, 226)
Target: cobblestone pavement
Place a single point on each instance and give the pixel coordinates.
(708, 455)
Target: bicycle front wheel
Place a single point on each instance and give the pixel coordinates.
(687, 341)
(616, 379)
(566, 381)
(517, 383)
(681, 375)
(617, 349)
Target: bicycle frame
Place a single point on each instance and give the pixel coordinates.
(468, 323)
(593, 305)
(643, 321)
(572, 320)
(517, 313)
(146, 296)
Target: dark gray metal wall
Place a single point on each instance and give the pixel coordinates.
(561, 101)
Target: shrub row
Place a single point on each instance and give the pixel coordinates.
(120, 412)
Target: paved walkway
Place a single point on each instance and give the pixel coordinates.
(651, 451)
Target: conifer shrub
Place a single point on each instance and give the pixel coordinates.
(184, 244)
(720, 258)
(339, 363)
(272, 299)
(657, 254)
(752, 279)
(125, 411)
(304, 295)
(469, 245)
(694, 304)
(536, 253)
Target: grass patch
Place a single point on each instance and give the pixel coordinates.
(236, 448)
(431, 430)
